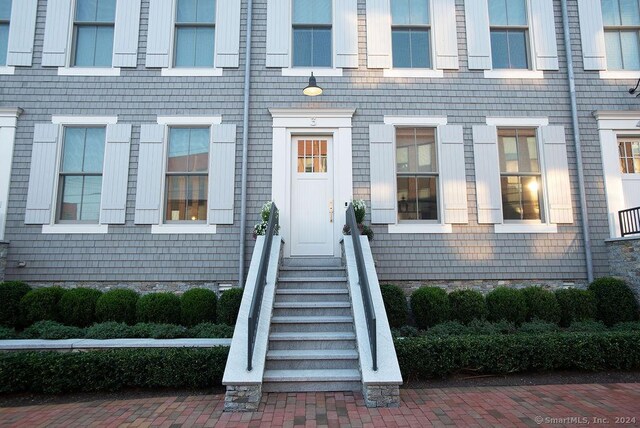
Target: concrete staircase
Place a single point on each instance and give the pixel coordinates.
(312, 344)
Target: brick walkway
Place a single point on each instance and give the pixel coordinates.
(553, 405)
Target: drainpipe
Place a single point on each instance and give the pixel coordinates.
(576, 141)
(245, 143)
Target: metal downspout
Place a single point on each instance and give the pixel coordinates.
(576, 141)
(245, 144)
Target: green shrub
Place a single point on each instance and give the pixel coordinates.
(229, 306)
(541, 305)
(161, 308)
(507, 304)
(406, 331)
(433, 357)
(112, 370)
(395, 304)
(615, 301)
(41, 304)
(10, 294)
(198, 305)
(110, 330)
(7, 333)
(479, 327)
(52, 330)
(576, 305)
(430, 306)
(448, 328)
(537, 326)
(467, 305)
(208, 330)
(158, 331)
(78, 306)
(589, 326)
(117, 305)
(627, 326)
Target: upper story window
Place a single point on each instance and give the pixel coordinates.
(80, 183)
(195, 33)
(509, 34)
(629, 149)
(312, 24)
(520, 174)
(411, 33)
(621, 19)
(5, 16)
(416, 174)
(187, 174)
(93, 28)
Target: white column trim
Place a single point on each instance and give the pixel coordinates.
(8, 123)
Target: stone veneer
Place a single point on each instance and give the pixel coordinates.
(624, 261)
(485, 286)
(381, 395)
(4, 249)
(242, 398)
(140, 287)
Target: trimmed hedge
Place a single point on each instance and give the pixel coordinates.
(507, 304)
(615, 301)
(434, 357)
(117, 305)
(198, 305)
(207, 330)
(110, 330)
(158, 331)
(10, 294)
(576, 305)
(467, 305)
(52, 330)
(78, 306)
(430, 306)
(229, 306)
(112, 370)
(161, 308)
(395, 304)
(7, 333)
(541, 305)
(41, 304)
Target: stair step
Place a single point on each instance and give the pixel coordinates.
(312, 268)
(306, 336)
(313, 262)
(312, 320)
(314, 279)
(313, 291)
(340, 354)
(295, 341)
(310, 305)
(326, 375)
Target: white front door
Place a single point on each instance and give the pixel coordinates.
(629, 149)
(312, 196)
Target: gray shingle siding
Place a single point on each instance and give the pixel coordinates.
(472, 252)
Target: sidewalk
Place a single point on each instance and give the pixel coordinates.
(550, 405)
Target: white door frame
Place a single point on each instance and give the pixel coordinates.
(289, 123)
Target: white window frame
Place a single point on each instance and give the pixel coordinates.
(616, 74)
(71, 228)
(8, 123)
(532, 72)
(6, 69)
(182, 228)
(527, 226)
(172, 70)
(425, 226)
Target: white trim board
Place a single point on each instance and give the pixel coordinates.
(87, 71)
(189, 120)
(518, 121)
(416, 120)
(84, 120)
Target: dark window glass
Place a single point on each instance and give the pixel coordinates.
(93, 33)
(312, 44)
(410, 34)
(509, 32)
(195, 33)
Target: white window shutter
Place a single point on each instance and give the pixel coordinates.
(222, 177)
(115, 175)
(125, 37)
(544, 34)
(383, 174)
(488, 193)
(159, 34)
(227, 33)
(22, 30)
(56, 33)
(592, 35)
(378, 34)
(149, 192)
(44, 155)
(445, 34)
(556, 171)
(478, 38)
(278, 33)
(453, 174)
(346, 34)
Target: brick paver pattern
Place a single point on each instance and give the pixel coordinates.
(549, 405)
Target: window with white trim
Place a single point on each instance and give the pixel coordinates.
(621, 19)
(5, 17)
(411, 33)
(93, 26)
(629, 149)
(312, 33)
(194, 33)
(509, 31)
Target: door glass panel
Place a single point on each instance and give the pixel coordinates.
(312, 156)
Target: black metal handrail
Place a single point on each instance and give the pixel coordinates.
(364, 285)
(261, 280)
(629, 221)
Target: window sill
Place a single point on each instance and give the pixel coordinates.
(75, 228)
(317, 72)
(191, 72)
(7, 70)
(513, 74)
(620, 74)
(419, 228)
(526, 228)
(412, 72)
(80, 71)
(183, 229)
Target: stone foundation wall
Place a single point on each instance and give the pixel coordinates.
(624, 261)
(381, 395)
(485, 286)
(245, 398)
(140, 287)
(4, 249)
